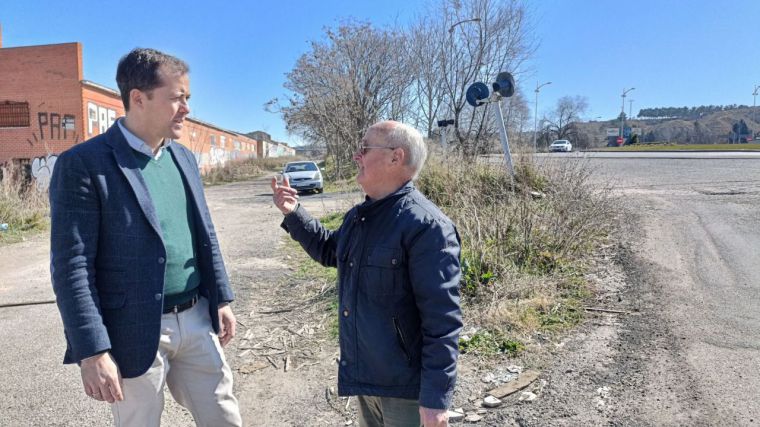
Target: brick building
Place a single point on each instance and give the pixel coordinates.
(46, 106)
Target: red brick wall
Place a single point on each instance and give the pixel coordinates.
(47, 77)
(215, 147)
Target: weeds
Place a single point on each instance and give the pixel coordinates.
(488, 342)
(239, 170)
(23, 207)
(524, 243)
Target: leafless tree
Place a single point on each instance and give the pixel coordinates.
(562, 121)
(343, 85)
(360, 74)
(426, 93)
(481, 39)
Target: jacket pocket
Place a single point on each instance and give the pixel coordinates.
(401, 340)
(112, 300)
(381, 271)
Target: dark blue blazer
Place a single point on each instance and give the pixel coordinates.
(107, 255)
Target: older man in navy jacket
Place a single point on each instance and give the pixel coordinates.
(135, 262)
(397, 256)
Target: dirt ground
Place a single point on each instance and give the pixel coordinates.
(666, 358)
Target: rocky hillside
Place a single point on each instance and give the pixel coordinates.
(713, 128)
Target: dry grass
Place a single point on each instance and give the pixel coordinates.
(23, 207)
(525, 244)
(240, 170)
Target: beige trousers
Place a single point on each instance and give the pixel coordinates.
(191, 362)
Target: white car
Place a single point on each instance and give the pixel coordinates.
(304, 176)
(561, 145)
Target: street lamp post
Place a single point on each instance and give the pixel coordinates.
(451, 28)
(450, 41)
(630, 107)
(622, 112)
(754, 103)
(535, 115)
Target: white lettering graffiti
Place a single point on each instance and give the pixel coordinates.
(102, 116)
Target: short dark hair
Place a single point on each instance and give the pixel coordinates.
(139, 69)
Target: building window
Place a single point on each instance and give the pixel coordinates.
(14, 114)
(212, 140)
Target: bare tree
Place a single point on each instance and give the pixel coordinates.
(426, 94)
(345, 84)
(360, 74)
(562, 121)
(482, 38)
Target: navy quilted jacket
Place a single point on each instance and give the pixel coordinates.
(398, 282)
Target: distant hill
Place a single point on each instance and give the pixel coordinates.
(710, 128)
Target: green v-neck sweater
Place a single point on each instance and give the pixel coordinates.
(172, 201)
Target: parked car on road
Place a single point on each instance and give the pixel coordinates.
(561, 145)
(304, 176)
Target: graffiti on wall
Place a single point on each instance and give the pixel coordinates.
(52, 127)
(99, 117)
(218, 156)
(42, 170)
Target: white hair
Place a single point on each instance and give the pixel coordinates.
(410, 140)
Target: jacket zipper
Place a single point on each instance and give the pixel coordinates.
(401, 340)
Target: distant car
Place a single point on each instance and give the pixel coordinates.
(561, 145)
(304, 176)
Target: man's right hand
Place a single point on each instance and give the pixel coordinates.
(101, 378)
(284, 197)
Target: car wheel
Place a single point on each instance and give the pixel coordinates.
(320, 190)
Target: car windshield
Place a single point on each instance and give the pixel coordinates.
(300, 167)
(559, 143)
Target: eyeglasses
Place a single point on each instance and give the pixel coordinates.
(362, 149)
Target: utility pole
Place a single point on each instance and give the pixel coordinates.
(754, 103)
(622, 112)
(451, 41)
(535, 115)
(630, 108)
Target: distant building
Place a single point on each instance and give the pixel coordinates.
(47, 107)
(269, 147)
(311, 151)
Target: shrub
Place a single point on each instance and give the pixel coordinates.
(22, 206)
(239, 170)
(525, 240)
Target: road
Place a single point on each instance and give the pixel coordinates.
(657, 154)
(689, 351)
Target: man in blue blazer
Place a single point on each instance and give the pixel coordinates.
(135, 262)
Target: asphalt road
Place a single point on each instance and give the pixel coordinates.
(689, 351)
(701, 236)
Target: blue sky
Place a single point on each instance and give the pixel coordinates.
(675, 53)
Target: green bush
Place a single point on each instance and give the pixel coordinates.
(486, 342)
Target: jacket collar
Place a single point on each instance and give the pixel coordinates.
(125, 159)
(369, 205)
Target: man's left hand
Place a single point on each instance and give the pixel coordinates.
(434, 417)
(226, 324)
